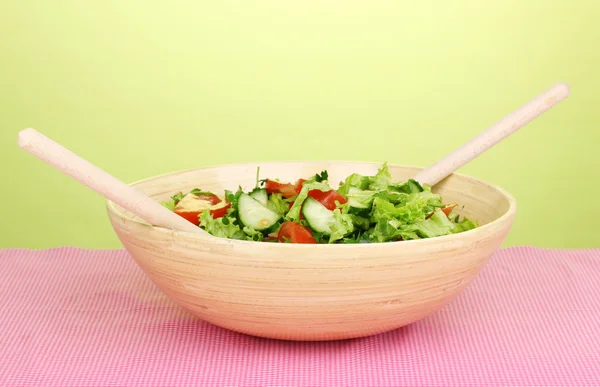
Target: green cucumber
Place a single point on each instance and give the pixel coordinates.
(414, 186)
(317, 215)
(260, 196)
(253, 214)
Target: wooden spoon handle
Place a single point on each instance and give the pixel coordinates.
(103, 183)
(493, 135)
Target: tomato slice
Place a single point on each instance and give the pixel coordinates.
(448, 208)
(191, 216)
(330, 200)
(220, 211)
(209, 197)
(327, 198)
(318, 195)
(192, 205)
(295, 233)
(298, 185)
(287, 190)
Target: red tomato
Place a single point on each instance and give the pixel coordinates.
(327, 198)
(193, 216)
(448, 208)
(298, 185)
(317, 194)
(212, 201)
(287, 190)
(220, 212)
(295, 233)
(209, 197)
(190, 216)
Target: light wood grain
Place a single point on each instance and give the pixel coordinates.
(100, 181)
(312, 292)
(493, 135)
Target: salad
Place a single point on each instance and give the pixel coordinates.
(364, 209)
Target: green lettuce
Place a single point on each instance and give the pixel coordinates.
(391, 229)
(385, 230)
(381, 180)
(462, 225)
(409, 186)
(354, 180)
(360, 198)
(170, 204)
(224, 227)
(465, 225)
(437, 225)
(252, 234)
(342, 225)
(360, 222)
(278, 204)
(415, 207)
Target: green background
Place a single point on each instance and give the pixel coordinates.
(147, 87)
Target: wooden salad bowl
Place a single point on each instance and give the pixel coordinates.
(312, 292)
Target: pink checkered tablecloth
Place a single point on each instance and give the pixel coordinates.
(73, 317)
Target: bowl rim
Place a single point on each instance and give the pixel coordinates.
(509, 214)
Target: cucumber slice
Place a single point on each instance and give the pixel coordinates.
(317, 215)
(253, 214)
(414, 186)
(260, 196)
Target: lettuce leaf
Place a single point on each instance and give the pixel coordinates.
(252, 234)
(465, 225)
(415, 208)
(360, 222)
(437, 225)
(342, 226)
(462, 225)
(354, 180)
(381, 180)
(385, 230)
(358, 198)
(224, 227)
(391, 229)
(170, 204)
(409, 186)
(278, 204)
